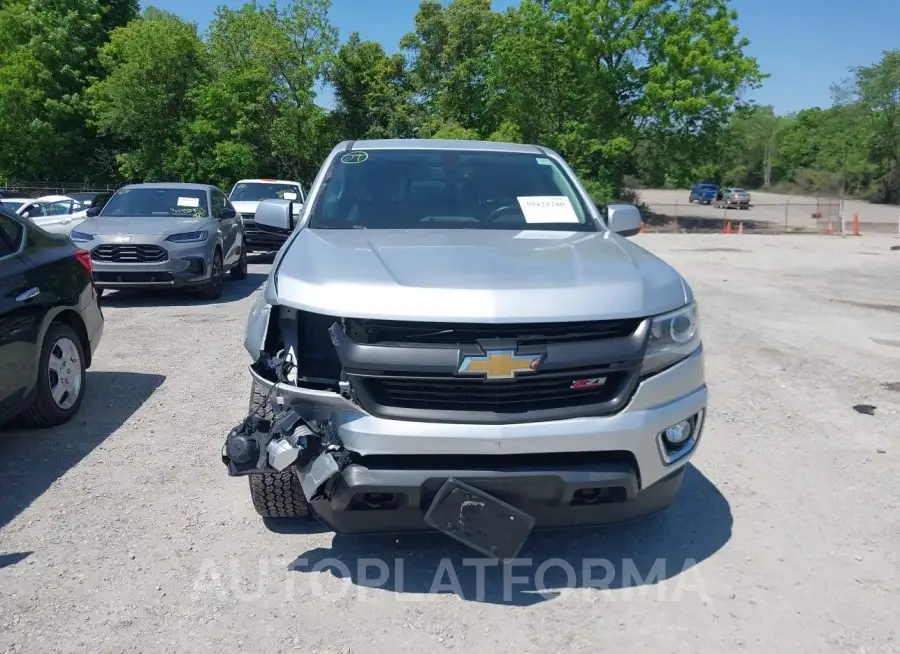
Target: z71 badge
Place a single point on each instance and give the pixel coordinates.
(593, 382)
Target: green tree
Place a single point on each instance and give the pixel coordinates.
(599, 79)
(48, 53)
(373, 97)
(142, 100)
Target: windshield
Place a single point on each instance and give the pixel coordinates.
(435, 189)
(257, 191)
(157, 202)
(12, 205)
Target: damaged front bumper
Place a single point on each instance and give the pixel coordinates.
(377, 475)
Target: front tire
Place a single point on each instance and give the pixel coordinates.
(274, 494)
(212, 288)
(239, 271)
(62, 378)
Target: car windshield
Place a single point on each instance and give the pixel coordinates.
(12, 205)
(448, 189)
(157, 202)
(256, 191)
(738, 190)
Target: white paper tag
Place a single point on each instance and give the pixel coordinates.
(539, 235)
(547, 209)
(189, 202)
(290, 196)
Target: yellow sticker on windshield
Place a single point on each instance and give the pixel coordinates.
(354, 157)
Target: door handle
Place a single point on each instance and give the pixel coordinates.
(29, 294)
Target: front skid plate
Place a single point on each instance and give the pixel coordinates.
(479, 520)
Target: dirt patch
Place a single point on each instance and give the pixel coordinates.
(892, 386)
(890, 308)
(884, 341)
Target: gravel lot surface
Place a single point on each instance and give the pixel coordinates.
(793, 211)
(121, 531)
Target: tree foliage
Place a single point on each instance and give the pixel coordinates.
(644, 91)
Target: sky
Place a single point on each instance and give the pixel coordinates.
(803, 45)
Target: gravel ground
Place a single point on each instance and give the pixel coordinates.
(121, 531)
(781, 212)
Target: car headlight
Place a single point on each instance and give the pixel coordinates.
(80, 237)
(188, 237)
(673, 337)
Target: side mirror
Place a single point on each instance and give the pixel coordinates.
(274, 216)
(227, 213)
(623, 219)
(93, 211)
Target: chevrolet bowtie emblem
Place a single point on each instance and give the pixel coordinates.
(500, 364)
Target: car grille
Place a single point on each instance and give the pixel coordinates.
(109, 253)
(571, 387)
(475, 395)
(251, 233)
(133, 277)
(373, 332)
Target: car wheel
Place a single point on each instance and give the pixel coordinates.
(239, 272)
(212, 288)
(61, 379)
(275, 494)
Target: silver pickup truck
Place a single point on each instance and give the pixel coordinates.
(456, 338)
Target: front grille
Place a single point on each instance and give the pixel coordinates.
(538, 393)
(373, 332)
(109, 253)
(133, 277)
(251, 233)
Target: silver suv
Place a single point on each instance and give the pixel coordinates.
(456, 338)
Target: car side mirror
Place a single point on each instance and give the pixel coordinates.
(623, 219)
(93, 211)
(227, 213)
(275, 216)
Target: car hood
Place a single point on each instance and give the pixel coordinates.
(473, 275)
(153, 225)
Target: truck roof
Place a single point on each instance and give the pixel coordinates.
(267, 181)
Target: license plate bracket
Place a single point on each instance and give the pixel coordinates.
(477, 519)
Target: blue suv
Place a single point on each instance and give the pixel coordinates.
(704, 193)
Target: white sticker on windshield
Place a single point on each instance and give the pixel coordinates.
(540, 235)
(547, 209)
(290, 196)
(544, 161)
(189, 202)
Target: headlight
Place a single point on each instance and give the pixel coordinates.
(673, 336)
(189, 237)
(80, 237)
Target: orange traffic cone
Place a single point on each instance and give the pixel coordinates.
(830, 230)
(642, 228)
(856, 224)
(727, 229)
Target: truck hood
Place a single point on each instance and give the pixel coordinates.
(473, 275)
(245, 206)
(250, 206)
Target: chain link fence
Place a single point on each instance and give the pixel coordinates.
(822, 216)
(35, 190)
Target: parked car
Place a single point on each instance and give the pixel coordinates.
(704, 193)
(165, 236)
(50, 324)
(455, 322)
(246, 196)
(58, 214)
(733, 197)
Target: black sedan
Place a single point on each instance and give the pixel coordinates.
(50, 324)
